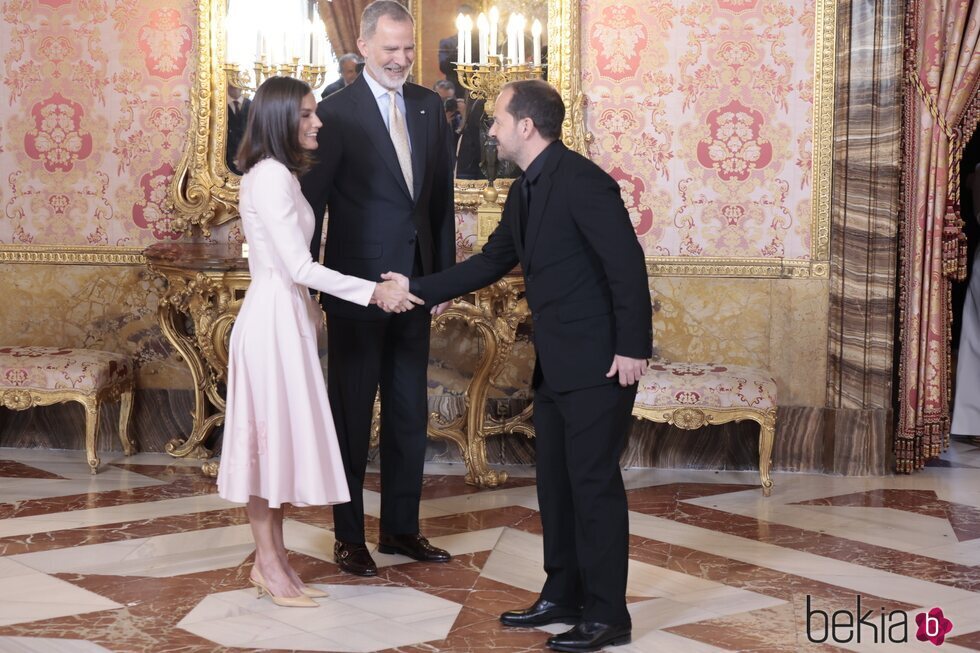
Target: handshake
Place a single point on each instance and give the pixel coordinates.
(392, 296)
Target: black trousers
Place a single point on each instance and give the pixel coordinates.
(579, 438)
(361, 356)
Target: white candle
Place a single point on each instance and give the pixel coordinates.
(512, 40)
(483, 27)
(459, 38)
(468, 40)
(536, 33)
(494, 26)
(314, 40)
(521, 23)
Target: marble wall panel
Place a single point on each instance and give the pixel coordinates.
(866, 204)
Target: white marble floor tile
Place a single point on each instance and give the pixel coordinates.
(659, 641)
(861, 579)
(352, 618)
(372, 506)
(488, 500)
(112, 515)
(48, 645)
(516, 560)
(34, 596)
(160, 556)
(13, 490)
(468, 542)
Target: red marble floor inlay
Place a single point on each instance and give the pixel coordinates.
(965, 520)
(14, 469)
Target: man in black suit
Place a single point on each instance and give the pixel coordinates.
(383, 174)
(350, 66)
(565, 223)
(238, 106)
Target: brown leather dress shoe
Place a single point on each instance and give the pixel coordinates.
(414, 546)
(354, 559)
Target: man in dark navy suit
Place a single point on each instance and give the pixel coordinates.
(384, 177)
(349, 66)
(565, 223)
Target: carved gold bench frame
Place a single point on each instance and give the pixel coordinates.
(24, 398)
(689, 418)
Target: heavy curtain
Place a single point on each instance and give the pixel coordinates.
(343, 22)
(941, 111)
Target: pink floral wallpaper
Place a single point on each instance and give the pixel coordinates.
(94, 99)
(702, 110)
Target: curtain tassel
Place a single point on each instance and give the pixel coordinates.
(954, 243)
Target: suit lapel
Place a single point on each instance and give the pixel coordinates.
(417, 123)
(367, 112)
(539, 201)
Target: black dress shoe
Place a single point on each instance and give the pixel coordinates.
(413, 546)
(354, 559)
(541, 613)
(591, 636)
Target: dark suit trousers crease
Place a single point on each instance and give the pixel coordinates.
(579, 438)
(361, 356)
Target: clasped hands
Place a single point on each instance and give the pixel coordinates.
(392, 295)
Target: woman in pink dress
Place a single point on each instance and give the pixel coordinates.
(280, 445)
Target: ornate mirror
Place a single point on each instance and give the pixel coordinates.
(204, 191)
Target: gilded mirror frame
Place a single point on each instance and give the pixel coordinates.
(204, 193)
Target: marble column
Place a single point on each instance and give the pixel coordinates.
(864, 236)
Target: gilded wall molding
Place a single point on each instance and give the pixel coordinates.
(70, 255)
(750, 268)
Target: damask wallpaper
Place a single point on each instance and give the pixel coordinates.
(702, 110)
(95, 108)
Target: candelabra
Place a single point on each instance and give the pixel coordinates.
(484, 81)
(243, 79)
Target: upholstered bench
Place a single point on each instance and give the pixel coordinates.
(692, 395)
(40, 376)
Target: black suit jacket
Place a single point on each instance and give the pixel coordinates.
(584, 269)
(332, 88)
(236, 129)
(374, 224)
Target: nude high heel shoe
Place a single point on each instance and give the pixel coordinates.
(301, 601)
(311, 592)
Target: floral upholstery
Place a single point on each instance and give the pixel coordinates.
(706, 385)
(54, 368)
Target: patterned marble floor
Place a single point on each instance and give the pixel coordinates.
(145, 557)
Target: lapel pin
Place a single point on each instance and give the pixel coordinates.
(422, 111)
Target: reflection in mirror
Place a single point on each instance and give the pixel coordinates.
(263, 39)
(204, 192)
(237, 107)
(468, 51)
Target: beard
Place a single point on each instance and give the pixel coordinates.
(389, 80)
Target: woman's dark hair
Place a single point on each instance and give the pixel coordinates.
(272, 131)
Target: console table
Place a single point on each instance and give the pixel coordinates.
(205, 287)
